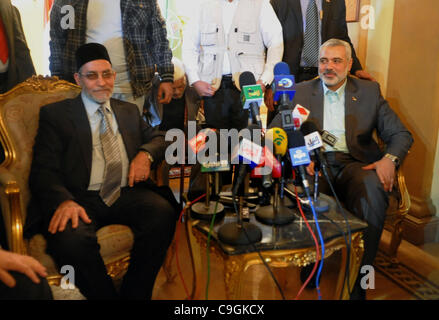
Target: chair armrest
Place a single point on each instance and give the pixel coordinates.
(11, 209)
(404, 201)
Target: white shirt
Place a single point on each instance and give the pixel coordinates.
(270, 27)
(104, 25)
(334, 116)
(98, 159)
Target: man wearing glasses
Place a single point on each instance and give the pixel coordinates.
(92, 159)
(134, 34)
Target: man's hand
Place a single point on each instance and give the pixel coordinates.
(262, 85)
(140, 168)
(203, 89)
(362, 74)
(68, 210)
(268, 99)
(385, 169)
(27, 265)
(165, 92)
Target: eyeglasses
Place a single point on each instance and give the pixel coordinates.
(95, 75)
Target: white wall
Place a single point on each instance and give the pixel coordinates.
(32, 19)
(379, 42)
(435, 185)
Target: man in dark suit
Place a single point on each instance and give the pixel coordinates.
(296, 17)
(91, 164)
(352, 109)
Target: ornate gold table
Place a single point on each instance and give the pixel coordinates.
(282, 246)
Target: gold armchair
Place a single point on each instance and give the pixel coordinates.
(399, 205)
(398, 208)
(19, 114)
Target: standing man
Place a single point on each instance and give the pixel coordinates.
(306, 25)
(352, 109)
(91, 163)
(223, 39)
(134, 34)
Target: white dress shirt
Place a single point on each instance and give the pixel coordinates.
(98, 159)
(334, 116)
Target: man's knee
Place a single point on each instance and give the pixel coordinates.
(73, 241)
(26, 289)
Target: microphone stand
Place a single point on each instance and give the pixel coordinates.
(279, 212)
(320, 205)
(239, 232)
(206, 209)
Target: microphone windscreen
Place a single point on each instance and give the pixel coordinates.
(279, 138)
(246, 79)
(308, 127)
(281, 68)
(295, 139)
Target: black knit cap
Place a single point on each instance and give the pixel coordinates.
(89, 52)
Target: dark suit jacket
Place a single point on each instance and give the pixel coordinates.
(62, 156)
(365, 111)
(20, 62)
(333, 26)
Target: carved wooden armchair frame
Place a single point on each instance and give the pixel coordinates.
(16, 111)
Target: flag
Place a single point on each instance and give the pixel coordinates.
(47, 6)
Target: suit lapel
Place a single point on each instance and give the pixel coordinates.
(351, 102)
(79, 117)
(316, 103)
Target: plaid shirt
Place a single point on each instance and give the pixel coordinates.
(144, 39)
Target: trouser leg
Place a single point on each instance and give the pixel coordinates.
(152, 220)
(79, 248)
(25, 289)
(364, 196)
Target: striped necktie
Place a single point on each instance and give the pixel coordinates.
(110, 189)
(311, 38)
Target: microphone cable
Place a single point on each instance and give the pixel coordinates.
(315, 242)
(177, 236)
(259, 253)
(322, 242)
(208, 247)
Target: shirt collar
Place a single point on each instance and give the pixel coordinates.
(338, 93)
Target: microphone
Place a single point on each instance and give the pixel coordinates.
(300, 115)
(277, 138)
(198, 143)
(251, 95)
(314, 143)
(284, 87)
(247, 154)
(329, 138)
(279, 212)
(299, 156)
(280, 140)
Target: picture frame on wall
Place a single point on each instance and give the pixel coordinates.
(352, 10)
